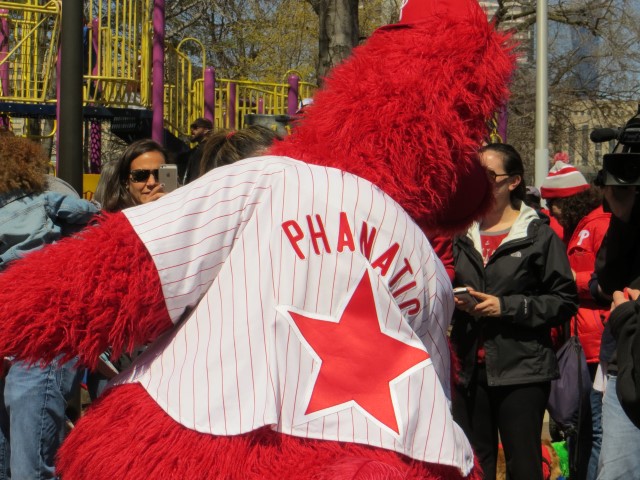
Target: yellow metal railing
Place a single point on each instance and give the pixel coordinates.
(183, 91)
(118, 54)
(252, 98)
(29, 56)
(118, 59)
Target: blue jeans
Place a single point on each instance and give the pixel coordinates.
(619, 458)
(596, 438)
(32, 418)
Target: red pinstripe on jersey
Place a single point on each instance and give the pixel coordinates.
(247, 242)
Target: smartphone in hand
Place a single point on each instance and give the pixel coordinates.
(168, 175)
(463, 294)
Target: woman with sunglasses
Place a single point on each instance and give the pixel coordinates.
(129, 181)
(133, 178)
(517, 272)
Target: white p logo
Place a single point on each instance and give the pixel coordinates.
(583, 235)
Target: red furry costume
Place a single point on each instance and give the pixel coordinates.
(406, 113)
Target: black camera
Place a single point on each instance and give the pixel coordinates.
(622, 166)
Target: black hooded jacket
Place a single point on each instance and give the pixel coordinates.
(530, 274)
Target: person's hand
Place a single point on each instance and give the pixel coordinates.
(623, 297)
(156, 192)
(463, 304)
(620, 200)
(488, 305)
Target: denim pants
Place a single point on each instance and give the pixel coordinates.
(32, 418)
(596, 418)
(620, 451)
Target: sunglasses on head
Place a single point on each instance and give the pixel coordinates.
(142, 175)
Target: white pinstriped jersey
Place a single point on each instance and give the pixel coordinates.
(260, 262)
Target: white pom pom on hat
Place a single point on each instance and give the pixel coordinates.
(563, 180)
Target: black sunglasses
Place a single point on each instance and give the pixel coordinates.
(142, 175)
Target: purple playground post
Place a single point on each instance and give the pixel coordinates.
(231, 108)
(210, 94)
(157, 95)
(260, 106)
(292, 96)
(95, 146)
(4, 51)
(503, 117)
(95, 32)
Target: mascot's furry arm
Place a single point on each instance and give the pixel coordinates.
(56, 313)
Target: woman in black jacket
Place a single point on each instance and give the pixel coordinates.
(519, 276)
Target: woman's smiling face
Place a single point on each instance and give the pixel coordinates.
(140, 189)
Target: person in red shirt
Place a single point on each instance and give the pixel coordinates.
(578, 209)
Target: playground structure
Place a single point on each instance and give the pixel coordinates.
(118, 74)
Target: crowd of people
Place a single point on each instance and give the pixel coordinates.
(538, 276)
(534, 277)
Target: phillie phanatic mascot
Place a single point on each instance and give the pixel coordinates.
(297, 312)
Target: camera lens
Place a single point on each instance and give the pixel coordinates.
(624, 167)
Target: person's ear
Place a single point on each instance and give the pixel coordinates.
(515, 181)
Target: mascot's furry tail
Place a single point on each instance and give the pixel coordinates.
(155, 446)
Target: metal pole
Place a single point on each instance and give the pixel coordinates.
(69, 155)
(542, 96)
(157, 95)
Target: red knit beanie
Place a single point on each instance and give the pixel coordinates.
(563, 180)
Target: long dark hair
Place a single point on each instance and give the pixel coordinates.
(512, 163)
(112, 191)
(228, 146)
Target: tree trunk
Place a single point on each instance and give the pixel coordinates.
(339, 33)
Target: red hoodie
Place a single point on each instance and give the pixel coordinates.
(582, 249)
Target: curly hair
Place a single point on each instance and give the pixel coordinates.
(23, 165)
(577, 206)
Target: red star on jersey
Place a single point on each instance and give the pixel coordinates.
(359, 360)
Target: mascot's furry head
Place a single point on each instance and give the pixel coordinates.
(408, 111)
